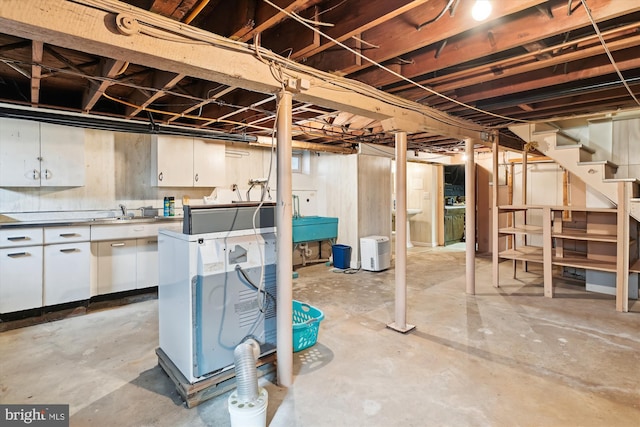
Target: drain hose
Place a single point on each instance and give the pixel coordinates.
(245, 356)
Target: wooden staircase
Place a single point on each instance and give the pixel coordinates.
(577, 158)
(617, 192)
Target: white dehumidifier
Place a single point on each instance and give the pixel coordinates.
(375, 253)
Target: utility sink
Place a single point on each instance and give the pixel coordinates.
(410, 214)
(314, 228)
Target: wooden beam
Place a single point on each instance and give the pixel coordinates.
(527, 82)
(520, 29)
(37, 52)
(348, 19)
(162, 80)
(529, 62)
(108, 68)
(399, 36)
(264, 16)
(214, 58)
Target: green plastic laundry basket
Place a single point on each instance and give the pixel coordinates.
(306, 323)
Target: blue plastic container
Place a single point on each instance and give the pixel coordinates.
(341, 256)
(306, 324)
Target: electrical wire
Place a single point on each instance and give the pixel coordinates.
(606, 49)
(188, 116)
(398, 75)
(351, 86)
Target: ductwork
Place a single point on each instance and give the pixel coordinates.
(248, 403)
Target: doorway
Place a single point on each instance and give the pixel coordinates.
(454, 204)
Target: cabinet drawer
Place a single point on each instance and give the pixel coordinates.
(14, 237)
(66, 234)
(124, 231)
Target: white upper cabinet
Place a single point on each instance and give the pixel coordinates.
(62, 156)
(19, 153)
(171, 161)
(178, 161)
(208, 163)
(36, 154)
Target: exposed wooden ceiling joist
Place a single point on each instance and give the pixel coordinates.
(75, 25)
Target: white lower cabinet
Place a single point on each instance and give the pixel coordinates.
(20, 269)
(20, 278)
(67, 264)
(147, 263)
(66, 272)
(116, 266)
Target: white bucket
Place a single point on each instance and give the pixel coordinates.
(249, 414)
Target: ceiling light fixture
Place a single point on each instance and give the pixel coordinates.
(481, 10)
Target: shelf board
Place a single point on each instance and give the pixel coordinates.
(522, 229)
(577, 261)
(513, 208)
(635, 267)
(575, 234)
(583, 209)
(524, 253)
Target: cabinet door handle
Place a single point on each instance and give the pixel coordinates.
(160, 176)
(196, 178)
(35, 174)
(17, 254)
(15, 239)
(66, 251)
(47, 174)
(152, 241)
(68, 234)
(115, 245)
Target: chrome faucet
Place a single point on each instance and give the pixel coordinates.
(123, 208)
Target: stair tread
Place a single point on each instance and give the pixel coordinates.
(559, 132)
(580, 146)
(598, 162)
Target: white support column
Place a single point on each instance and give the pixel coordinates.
(400, 323)
(470, 216)
(284, 247)
(525, 167)
(622, 254)
(495, 242)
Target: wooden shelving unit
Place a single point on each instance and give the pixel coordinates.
(599, 239)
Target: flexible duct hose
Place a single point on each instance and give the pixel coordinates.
(245, 356)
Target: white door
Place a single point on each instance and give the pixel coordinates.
(20, 278)
(208, 163)
(147, 262)
(66, 272)
(172, 161)
(116, 266)
(62, 154)
(19, 153)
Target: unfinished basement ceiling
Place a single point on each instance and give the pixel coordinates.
(531, 60)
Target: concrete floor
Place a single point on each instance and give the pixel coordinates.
(504, 357)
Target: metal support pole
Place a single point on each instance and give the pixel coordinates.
(400, 324)
(284, 247)
(495, 240)
(470, 216)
